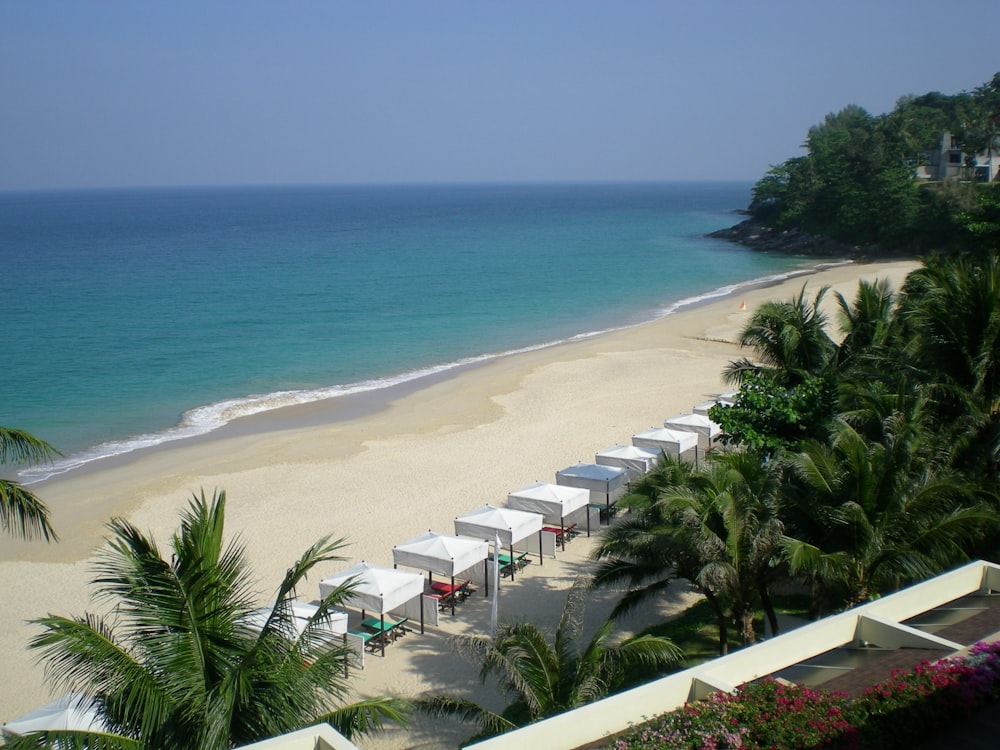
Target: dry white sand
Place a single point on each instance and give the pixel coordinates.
(384, 478)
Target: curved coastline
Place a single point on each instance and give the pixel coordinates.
(414, 462)
(234, 416)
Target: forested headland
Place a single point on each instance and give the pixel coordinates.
(869, 184)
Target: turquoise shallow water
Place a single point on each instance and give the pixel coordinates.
(135, 317)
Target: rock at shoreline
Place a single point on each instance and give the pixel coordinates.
(791, 242)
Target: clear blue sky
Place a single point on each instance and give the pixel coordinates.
(101, 94)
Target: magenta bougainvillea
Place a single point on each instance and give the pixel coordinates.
(769, 714)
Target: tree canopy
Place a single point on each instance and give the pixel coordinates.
(857, 182)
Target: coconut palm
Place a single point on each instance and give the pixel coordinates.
(21, 512)
(787, 388)
(542, 677)
(718, 529)
(870, 516)
(788, 339)
(951, 309)
(179, 663)
(730, 521)
(867, 323)
(643, 550)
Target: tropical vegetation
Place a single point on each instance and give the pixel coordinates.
(22, 513)
(858, 460)
(182, 659)
(857, 182)
(543, 677)
(899, 713)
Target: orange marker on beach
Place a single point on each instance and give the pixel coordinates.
(743, 305)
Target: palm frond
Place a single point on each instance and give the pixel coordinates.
(71, 740)
(367, 716)
(489, 723)
(20, 447)
(23, 514)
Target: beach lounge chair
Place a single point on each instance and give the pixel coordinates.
(512, 563)
(562, 535)
(448, 594)
(368, 640)
(392, 628)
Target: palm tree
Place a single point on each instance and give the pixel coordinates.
(951, 310)
(21, 512)
(870, 516)
(178, 663)
(729, 520)
(867, 323)
(545, 678)
(643, 550)
(718, 529)
(788, 338)
(787, 389)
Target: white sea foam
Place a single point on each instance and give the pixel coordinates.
(205, 419)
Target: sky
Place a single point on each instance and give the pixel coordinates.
(105, 93)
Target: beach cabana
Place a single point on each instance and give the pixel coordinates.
(507, 525)
(71, 712)
(335, 622)
(377, 589)
(556, 503)
(671, 442)
(637, 461)
(706, 430)
(723, 399)
(445, 555)
(605, 483)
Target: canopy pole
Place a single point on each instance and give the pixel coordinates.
(541, 557)
(382, 633)
(562, 531)
(513, 567)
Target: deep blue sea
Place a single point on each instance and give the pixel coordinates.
(140, 316)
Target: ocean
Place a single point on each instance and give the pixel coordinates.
(136, 317)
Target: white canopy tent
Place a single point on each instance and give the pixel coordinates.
(377, 589)
(335, 623)
(606, 483)
(637, 461)
(554, 502)
(336, 620)
(706, 430)
(508, 525)
(445, 555)
(671, 442)
(71, 712)
(723, 399)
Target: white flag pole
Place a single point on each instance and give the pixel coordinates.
(496, 583)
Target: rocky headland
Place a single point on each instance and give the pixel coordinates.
(761, 238)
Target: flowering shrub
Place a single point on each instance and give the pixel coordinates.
(769, 714)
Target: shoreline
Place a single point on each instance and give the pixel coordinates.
(382, 476)
(348, 401)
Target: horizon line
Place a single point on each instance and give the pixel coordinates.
(367, 184)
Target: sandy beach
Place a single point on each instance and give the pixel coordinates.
(381, 478)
